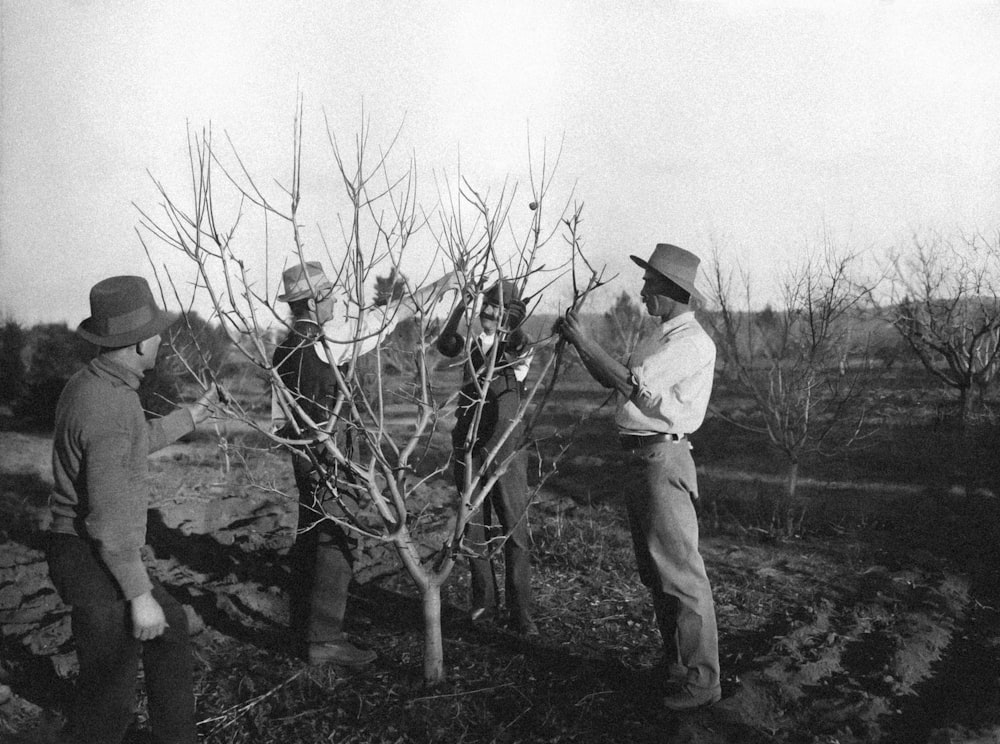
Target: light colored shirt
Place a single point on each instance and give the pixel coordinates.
(346, 335)
(672, 372)
(520, 366)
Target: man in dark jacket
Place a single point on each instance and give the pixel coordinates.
(491, 393)
(99, 503)
(323, 554)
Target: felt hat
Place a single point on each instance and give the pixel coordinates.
(676, 264)
(503, 290)
(122, 312)
(303, 281)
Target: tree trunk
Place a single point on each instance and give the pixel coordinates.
(793, 487)
(433, 646)
(965, 400)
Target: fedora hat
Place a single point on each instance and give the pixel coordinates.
(303, 281)
(503, 292)
(676, 264)
(122, 312)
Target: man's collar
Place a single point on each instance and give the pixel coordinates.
(110, 368)
(676, 322)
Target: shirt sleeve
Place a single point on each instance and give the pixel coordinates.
(345, 337)
(169, 428)
(660, 378)
(115, 476)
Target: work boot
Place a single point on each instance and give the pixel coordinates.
(482, 614)
(341, 652)
(523, 626)
(692, 698)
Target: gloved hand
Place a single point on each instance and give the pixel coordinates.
(514, 315)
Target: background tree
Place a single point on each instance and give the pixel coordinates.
(946, 308)
(473, 236)
(805, 365)
(623, 325)
(12, 381)
(55, 353)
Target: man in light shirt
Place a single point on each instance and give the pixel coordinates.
(665, 388)
(322, 557)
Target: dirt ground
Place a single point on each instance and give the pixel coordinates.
(880, 627)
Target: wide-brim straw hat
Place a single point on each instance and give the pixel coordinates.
(122, 312)
(303, 281)
(677, 265)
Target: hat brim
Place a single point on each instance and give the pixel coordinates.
(305, 294)
(686, 286)
(160, 322)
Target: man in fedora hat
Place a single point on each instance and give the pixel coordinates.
(322, 557)
(500, 317)
(665, 387)
(98, 503)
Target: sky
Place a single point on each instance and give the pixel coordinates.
(758, 129)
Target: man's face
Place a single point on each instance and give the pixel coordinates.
(150, 350)
(325, 303)
(655, 294)
(489, 317)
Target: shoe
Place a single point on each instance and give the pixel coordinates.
(692, 698)
(479, 615)
(524, 627)
(675, 673)
(341, 653)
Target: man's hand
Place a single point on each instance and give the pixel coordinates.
(515, 312)
(201, 409)
(570, 328)
(148, 620)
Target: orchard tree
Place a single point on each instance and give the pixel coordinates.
(804, 364)
(947, 309)
(476, 237)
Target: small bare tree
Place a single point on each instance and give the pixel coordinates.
(947, 309)
(805, 366)
(378, 486)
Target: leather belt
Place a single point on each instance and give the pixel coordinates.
(636, 441)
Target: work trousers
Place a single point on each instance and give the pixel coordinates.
(322, 561)
(109, 655)
(664, 529)
(508, 504)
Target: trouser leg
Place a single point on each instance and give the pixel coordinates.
(322, 563)
(108, 655)
(510, 500)
(482, 575)
(169, 672)
(665, 534)
(332, 574)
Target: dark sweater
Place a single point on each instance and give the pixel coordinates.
(101, 443)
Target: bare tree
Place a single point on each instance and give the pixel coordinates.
(804, 365)
(379, 485)
(624, 325)
(946, 308)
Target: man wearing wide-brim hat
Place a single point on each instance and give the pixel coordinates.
(322, 557)
(665, 387)
(99, 501)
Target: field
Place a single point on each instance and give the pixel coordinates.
(877, 621)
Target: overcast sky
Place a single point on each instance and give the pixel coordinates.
(757, 126)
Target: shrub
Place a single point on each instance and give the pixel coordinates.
(55, 353)
(12, 372)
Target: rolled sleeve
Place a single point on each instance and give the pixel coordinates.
(672, 385)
